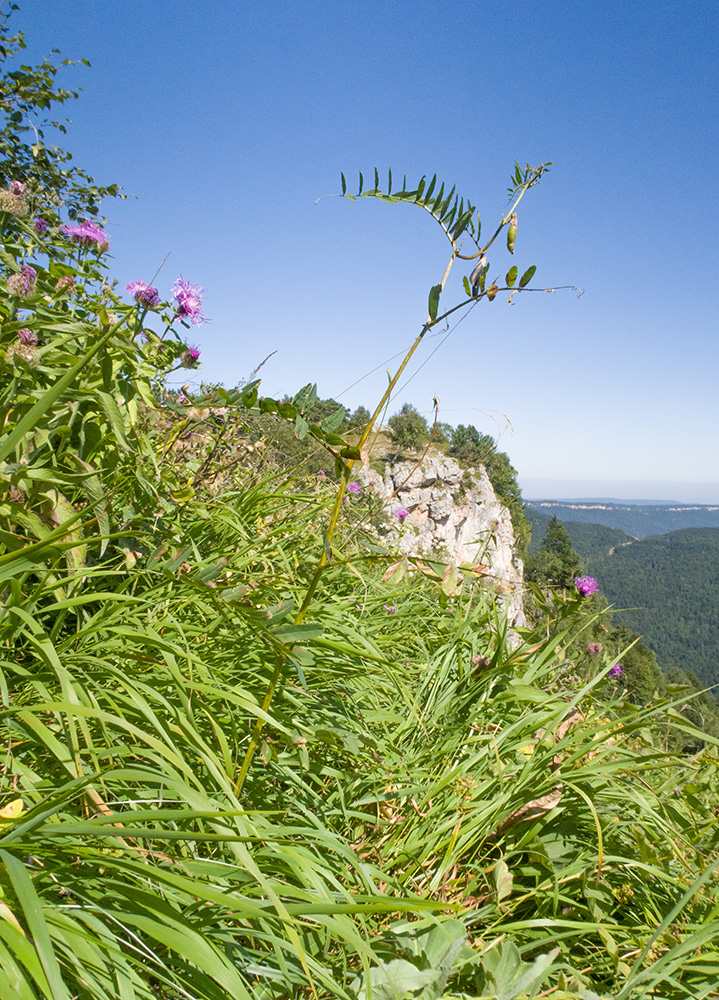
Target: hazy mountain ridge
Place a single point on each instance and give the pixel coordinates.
(640, 520)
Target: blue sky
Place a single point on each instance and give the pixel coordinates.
(229, 120)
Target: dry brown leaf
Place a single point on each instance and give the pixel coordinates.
(531, 810)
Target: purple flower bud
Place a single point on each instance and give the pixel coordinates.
(586, 585)
(40, 226)
(144, 294)
(23, 283)
(190, 357)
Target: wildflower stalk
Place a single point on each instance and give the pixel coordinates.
(531, 177)
(281, 657)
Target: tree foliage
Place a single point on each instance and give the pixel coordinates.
(408, 429)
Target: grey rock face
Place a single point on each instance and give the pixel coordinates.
(454, 515)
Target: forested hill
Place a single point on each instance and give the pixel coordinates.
(665, 586)
(637, 520)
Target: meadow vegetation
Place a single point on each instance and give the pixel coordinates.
(239, 761)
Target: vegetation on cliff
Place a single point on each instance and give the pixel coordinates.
(238, 761)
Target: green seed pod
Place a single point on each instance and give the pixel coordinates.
(512, 232)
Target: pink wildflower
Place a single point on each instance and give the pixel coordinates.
(586, 585)
(189, 301)
(144, 294)
(88, 234)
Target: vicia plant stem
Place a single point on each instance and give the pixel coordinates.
(456, 222)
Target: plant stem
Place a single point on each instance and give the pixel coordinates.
(326, 552)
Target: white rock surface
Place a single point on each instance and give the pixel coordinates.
(454, 514)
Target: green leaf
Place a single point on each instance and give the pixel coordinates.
(467, 288)
(301, 427)
(434, 294)
(527, 276)
(361, 183)
(333, 421)
(296, 633)
(249, 397)
(511, 276)
(344, 184)
(287, 410)
(112, 412)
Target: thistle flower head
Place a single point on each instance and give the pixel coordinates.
(66, 285)
(144, 294)
(401, 514)
(586, 585)
(354, 488)
(13, 204)
(594, 647)
(88, 234)
(190, 357)
(19, 349)
(40, 225)
(27, 336)
(615, 671)
(189, 301)
(23, 283)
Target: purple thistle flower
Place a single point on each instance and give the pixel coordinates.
(40, 226)
(27, 336)
(615, 671)
(594, 647)
(586, 585)
(190, 357)
(17, 188)
(401, 514)
(88, 234)
(189, 301)
(353, 488)
(144, 294)
(24, 282)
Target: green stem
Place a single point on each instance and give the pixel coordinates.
(282, 656)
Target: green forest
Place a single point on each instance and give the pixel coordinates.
(666, 587)
(243, 757)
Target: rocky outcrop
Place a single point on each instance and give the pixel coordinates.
(454, 515)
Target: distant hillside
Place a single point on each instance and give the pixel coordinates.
(637, 520)
(588, 540)
(671, 581)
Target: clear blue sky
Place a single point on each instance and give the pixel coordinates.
(228, 120)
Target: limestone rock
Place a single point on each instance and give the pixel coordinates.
(453, 514)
